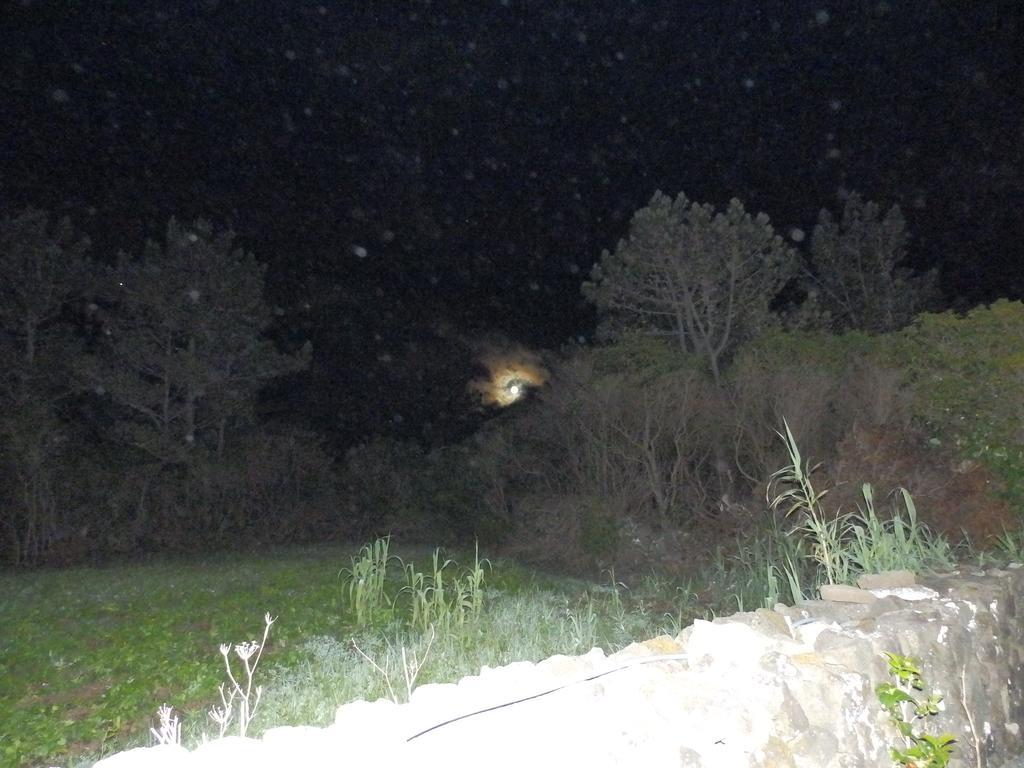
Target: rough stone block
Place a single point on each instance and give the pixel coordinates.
(887, 579)
(843, 593)
(162, 756)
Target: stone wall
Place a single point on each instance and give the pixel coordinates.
(790, 687)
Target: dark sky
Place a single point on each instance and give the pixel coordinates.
(427, 178)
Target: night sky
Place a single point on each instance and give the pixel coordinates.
(432, 181)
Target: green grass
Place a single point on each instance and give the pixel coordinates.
(87, 655)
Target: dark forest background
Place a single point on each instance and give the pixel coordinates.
(135, 415)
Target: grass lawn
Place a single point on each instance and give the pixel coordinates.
(87, 655)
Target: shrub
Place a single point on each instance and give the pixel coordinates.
(439, 495)
(953, 496)
(380, 487)
(967, 375)
(821, 382)
(856, 275)
(268, 487)
(565, 531)
(599, 534)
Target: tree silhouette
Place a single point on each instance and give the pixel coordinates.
(855, 278)
(42, 264)
(184, 353)
(705, 278)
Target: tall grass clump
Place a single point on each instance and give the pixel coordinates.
(826, 533)
(763, 568)
(367, 581)
(517, 622)
(1009, 546)
(443, 601)
(899, 542)
(773, 563)
(845, 545)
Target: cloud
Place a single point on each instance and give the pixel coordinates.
(512, 372)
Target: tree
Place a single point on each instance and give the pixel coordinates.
(855, 279)
(707, 279)
(185, 355)
(41, 265)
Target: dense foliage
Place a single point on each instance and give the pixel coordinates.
(702, 278)
(855, 277)
(129, 393)
(127, 400)
(967, 375)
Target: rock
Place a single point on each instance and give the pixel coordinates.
(662, 644)
(359, 714)
(906, 593)
(303, 745)
(432, 695)
(162, 756)
(887, 579)
(232, 750)
(843, 593)
(562, 667)
(728, 644)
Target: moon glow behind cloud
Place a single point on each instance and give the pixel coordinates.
(512, 374)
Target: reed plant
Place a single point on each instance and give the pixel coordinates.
(367, 583)
(843, 544)
(448, 596)
(795, 492)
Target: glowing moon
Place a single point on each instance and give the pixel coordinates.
(512, 374)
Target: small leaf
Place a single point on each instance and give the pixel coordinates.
(891, 696)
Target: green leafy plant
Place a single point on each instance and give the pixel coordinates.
(919, 750)
(965, 372)
(441, 600)
(900, 542)
(367, 579)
